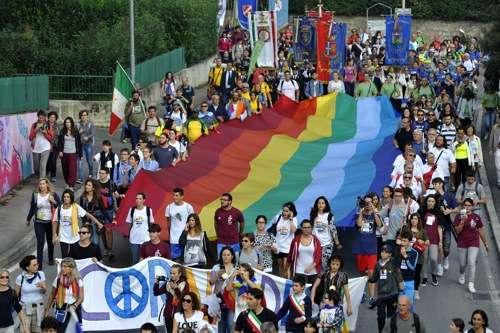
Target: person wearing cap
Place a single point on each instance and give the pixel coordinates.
(389, 281)
(155, 247)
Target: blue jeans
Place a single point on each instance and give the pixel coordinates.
(489, 118)
(88, 153)
(135, 133)
(135, 248)
(226, 321)
(235, 247)
(409, 291)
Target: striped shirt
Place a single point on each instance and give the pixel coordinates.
(449, 133)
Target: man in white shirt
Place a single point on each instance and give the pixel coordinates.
(445, 159)
(177, 213)
(289, 87)
(140, 217)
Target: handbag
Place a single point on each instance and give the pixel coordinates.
(60, 315)
(420, 247)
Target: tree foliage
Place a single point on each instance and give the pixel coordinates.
(449, 10)
(88, 36)
(491, 46)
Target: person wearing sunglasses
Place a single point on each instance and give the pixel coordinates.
(85, 248)
(8, 304)
(190, 315)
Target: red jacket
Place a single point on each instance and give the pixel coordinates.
(294, 253)
(48, 133)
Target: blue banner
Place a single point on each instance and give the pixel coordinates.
(305, 47)
(281, 8)
(397, 41)
(245, 7)
(335, 47)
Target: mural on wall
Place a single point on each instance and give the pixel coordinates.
(16, 162)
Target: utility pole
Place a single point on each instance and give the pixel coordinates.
(403, 5)
(132, 42)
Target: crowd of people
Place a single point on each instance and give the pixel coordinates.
(403, 234)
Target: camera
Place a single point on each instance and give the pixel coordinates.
(162, 278)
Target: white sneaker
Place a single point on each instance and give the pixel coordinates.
(471, 288)
(461, 279)
(446, 264)
(440, 270)
(417, 295)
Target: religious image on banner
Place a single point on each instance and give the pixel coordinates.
(323, 55)
(336, 46)
(245, 8)
(305, 40)
(265, 31)
(397, 41)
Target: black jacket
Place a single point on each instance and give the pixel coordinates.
(33, 208)
(78, 143)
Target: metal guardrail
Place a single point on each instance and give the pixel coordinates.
(81, 87)
(21, 94)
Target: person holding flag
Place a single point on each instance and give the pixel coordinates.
(135, 114)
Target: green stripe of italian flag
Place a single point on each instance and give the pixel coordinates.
(122, 92)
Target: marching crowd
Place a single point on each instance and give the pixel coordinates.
(403, 234)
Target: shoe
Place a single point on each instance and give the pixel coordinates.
(371, 303)
(461, 279)
(53, 179)
(424, 282)
(363, 298)
(417, 295)
(435, 281)
(446, 264)
(471, 288)
(440, 270)
(51, 262)
(79, 181)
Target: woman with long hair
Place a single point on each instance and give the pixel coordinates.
(30, 289)
(475, 146)
(194, 243)
(70, 151)
(324, 228)
(67, 293)
(43, 203)
(350, 74)
(91, 201)
(173, 289)
(222, 277)
(86, 130)
(304, 257)
(414, 224)
(479, 322)
(265, 244)
(284, 227)
(189, 315)
(168, 85)
(9, 303)
(66, 222)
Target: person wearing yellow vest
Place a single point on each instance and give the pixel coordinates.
(215, 75)
(195, 128)
(463, 156)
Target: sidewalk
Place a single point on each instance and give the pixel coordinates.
(17, 239)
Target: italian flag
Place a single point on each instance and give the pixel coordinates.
(122, 92)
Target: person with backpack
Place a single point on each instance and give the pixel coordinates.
(43, 203)
(30, 288)
(289, 87)
(106, 158)
(471, 189)
(283, 228)
(150, 125)
(405, 321)
(9, 303)
(140, 217)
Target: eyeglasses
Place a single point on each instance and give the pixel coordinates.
(4, 277)
(407, 177)
(187, 300)
(204, 106)
(82, 232)
(259, 222)
(245, 241)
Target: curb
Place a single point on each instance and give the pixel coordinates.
(490, 209)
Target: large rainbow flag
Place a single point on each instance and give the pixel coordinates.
(333, 145)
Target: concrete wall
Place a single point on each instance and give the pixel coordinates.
(100, 110)
(429, 28)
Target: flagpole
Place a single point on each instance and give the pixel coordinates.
(128, 77)
(132, 40)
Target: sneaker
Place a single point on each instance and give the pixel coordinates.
(53, 179)
(435, 281)
(461, 279)
(440, 270)
(424, 282)
(371, 303)
(363, 299)
(417, 295)
(446, 263)
(471, 288)
(79, 181)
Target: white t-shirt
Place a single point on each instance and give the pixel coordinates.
(139, 232)
(178, 215)
(109, 164)
(336, 86)
(284, 234)
(65, 228)
(41, 143)
(194, 322)
(288, 88)
(321, 229)
(43, 207)
(400, 160)
(69, 297)
(305, 258)
(30, 293)
(447, 157)
(438, 173)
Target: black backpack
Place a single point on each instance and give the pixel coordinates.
(394, 325)
(148, 216)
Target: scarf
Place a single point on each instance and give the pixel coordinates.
(64, 283)
(74, 219)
